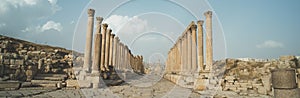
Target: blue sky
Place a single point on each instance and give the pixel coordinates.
(252, 28)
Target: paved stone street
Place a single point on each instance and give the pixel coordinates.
(161, 89)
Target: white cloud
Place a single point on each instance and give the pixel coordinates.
(52, 25)
(53, 2)
(25, 15)
(72, 22)
(2, 25)
(127, 27)
(270, 44)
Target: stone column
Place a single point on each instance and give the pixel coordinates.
(122, 57)
(111, 49)
(200, 45)
(209, 41)
(97, 47)
(115, 55)
(118, 54)
(167, 63)
(179, 54)
(102, 65)
(184, 45)
(182, 53)
(194, 47)
(172, 59)
(107, 44)
(89, 38)
(126, 58)
(189, 51)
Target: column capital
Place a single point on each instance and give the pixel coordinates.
(105, 25)
(99, 19)
(200, 22)
(193, 26)
(208, 14)
(113, 35)
(110, 30)
(91, 12)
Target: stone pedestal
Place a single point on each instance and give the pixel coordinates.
(284, 79)
(286, 93)
(284, 83)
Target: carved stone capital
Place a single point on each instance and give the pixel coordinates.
(109, 30)
(193, 26)
(105, 25)
(208, 14)
(200, 22)
(99, 19)
(91, 12)
(113, 35)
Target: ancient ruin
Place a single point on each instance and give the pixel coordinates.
(110, 55)
(107, 61)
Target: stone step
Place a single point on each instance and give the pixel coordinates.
(44, 82)
(10, 85)
(52, 75)
(49, 78)
(44, 85)
(38, 88)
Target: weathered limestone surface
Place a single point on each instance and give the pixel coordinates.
(97, 47)
(107, 46)
(89, 38)
(194, 47)
(284, 79)
(103, 47)
(200, 45)
(284, 83)
(209, 41)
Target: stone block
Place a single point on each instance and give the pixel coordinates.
(284, 78)
(287, 93)
(13, 85)
(6, 61)
(288, 58)
(72, 83)
(262, 90)
(200, 84)
(19, 62)
(84, 83)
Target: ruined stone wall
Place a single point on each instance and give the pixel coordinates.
(252, 76)
(21, 60)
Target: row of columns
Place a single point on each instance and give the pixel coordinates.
(187, 53)
(109, 54)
